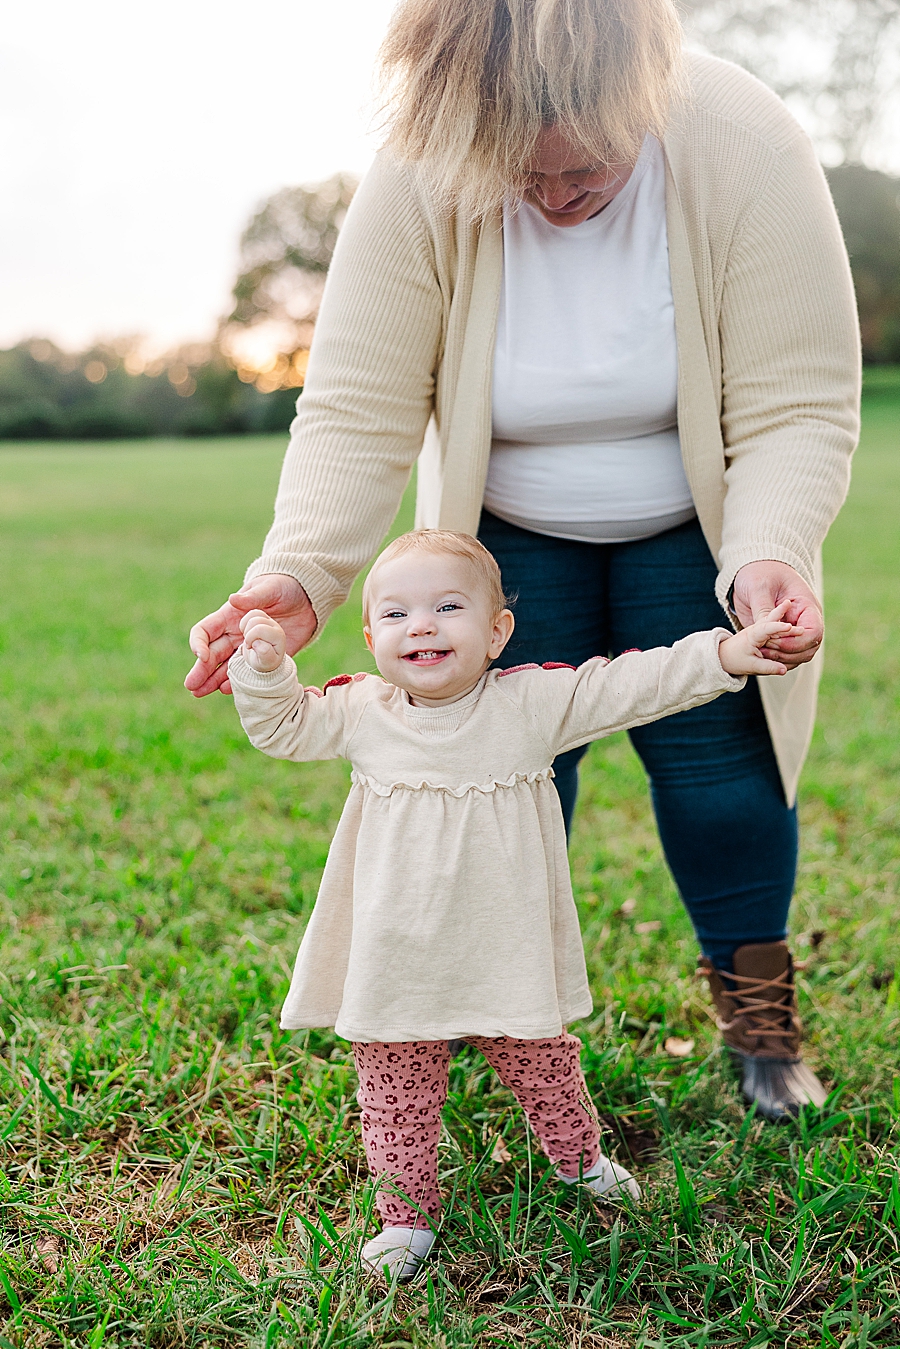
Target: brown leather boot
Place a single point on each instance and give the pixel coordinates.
(757, 1014)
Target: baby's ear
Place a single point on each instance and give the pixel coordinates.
(368, 636)
(503, 630)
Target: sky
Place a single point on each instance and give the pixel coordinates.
(138, 139)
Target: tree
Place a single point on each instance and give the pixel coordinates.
(285, 253)
(868, 203)
(110, 393)
(836, 61)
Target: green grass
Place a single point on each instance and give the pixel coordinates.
(178, 1171)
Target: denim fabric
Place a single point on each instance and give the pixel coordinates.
(728, 836)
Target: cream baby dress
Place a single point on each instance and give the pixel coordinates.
(446, 905)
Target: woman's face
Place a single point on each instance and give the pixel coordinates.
(563, 188)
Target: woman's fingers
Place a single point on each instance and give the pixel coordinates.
(213, 641)
(211, 629)
(283, 599)
(216, 637)
(796, 649)
(205, 676)
(764, 589)
(207, 684)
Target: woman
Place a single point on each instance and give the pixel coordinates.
(606, 286)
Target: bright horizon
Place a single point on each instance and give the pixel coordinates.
(138, 142)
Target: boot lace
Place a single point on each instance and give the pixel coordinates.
(763, 1006)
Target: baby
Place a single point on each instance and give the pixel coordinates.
(446, 910)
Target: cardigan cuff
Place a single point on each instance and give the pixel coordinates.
(321, 589)
(732, 560)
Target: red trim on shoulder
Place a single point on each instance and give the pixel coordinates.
(630, 651)
(357, 677)
(337, 681)
(514, 669)
(556, 665)
(316, 692)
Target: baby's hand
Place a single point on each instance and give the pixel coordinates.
(742, 653)
(264, 641)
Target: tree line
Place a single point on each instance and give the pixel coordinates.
(101, 394)
(223, 387)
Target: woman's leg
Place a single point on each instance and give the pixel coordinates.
(402, 1090)
(729, 838)
(557, 590)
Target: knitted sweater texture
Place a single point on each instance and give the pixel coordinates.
(768, 354)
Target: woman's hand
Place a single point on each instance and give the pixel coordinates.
(748, 651)
(760, 588)
(215, 638)
(264, 642)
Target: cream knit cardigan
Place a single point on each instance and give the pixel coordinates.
(768, 385)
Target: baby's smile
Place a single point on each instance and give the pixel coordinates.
(426, 657)
(420, 600)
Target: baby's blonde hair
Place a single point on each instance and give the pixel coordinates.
(437, 541)
(470, 84)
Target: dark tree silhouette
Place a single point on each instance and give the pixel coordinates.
(285, 253)
(868, 203)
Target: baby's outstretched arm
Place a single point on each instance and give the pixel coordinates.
(264, 641)
(280, 717)
(742, 653)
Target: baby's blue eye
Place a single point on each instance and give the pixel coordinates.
(395, 613)
(442, 608)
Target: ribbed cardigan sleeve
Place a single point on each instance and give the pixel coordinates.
(369, 391)
(790, 371)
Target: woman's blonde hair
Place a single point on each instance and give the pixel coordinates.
(470, 84)
(436, 541)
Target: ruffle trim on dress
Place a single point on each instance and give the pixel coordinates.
(384, 789)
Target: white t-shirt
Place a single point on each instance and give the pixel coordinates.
(585, 439)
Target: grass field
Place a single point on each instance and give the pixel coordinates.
(178, 1171)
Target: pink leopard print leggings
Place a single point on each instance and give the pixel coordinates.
(403, 1087)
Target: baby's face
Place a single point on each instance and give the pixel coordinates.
(431, 626)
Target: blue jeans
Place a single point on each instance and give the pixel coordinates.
(728, 836)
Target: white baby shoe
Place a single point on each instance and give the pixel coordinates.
(608, 1179)
(397, 1252)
